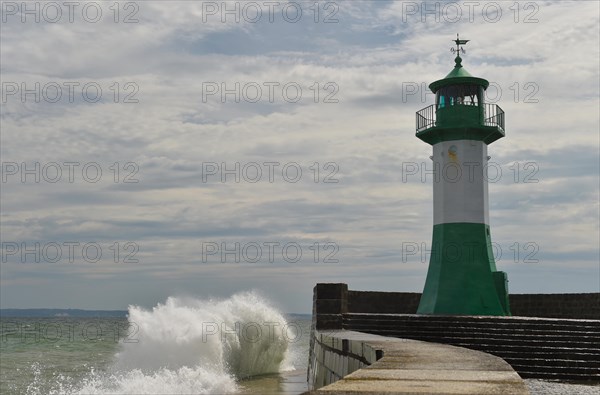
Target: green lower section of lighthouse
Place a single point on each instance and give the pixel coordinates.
(462, 277)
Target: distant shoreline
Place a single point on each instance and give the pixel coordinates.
(58, 313)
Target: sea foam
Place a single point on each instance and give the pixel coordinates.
(195, 346)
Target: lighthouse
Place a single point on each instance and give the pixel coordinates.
(462, 278)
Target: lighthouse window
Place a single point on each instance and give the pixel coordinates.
(442, 101)
(463, 94)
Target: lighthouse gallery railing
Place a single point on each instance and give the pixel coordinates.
(493, 115)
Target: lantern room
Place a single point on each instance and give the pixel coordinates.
(460, 111)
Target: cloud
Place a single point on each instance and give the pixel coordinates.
(378, 59)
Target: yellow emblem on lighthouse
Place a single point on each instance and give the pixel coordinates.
(452, 153)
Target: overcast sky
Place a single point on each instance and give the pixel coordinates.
(339, 84)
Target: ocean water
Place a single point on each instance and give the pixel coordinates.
(240, 345)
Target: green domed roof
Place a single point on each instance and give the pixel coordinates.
(458, 75)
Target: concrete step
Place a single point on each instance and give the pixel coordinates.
(581, 355)
(535, 348)
(488, 323)
(536, 374)
(462, 327)
(584, 370)
(467, 338)
(550, 364)
(496, 334)
(477, 319)
(558, 329)
(527, 349)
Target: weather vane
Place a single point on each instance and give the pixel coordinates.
(459, 42)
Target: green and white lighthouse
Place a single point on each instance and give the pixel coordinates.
(462, 278)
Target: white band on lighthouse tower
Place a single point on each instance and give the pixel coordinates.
(460, 193)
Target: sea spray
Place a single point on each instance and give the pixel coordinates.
(242, 334)
(196, 346)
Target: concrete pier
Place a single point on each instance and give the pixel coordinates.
(360, 343)
(347, 362)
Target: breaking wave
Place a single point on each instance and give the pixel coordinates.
(191, 346)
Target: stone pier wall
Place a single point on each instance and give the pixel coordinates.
(333, 357)
(574, 306)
